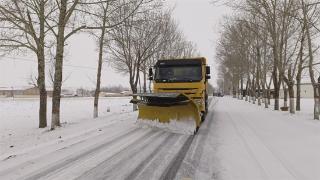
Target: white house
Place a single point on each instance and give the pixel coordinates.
(306, 91)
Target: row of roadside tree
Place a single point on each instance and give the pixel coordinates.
(268, 45)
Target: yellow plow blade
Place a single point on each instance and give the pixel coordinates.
(181, 116)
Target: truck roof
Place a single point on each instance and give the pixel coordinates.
(182, 61)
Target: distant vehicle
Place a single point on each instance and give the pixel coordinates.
(69, 95)
(219, 94)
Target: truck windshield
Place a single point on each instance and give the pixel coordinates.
(178, 73)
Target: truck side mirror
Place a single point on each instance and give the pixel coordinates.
(150, 74)
(208, 70)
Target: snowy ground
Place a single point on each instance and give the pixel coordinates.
(22, 112)
(256, 143)
(19, 120)
(238, 141)
(306, 108)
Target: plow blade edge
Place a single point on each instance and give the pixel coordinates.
(171, 110)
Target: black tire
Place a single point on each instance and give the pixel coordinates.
(206, 104)
(196, 131)
(203, 117)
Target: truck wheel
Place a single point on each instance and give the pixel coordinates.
(196, 131)
(203, 117)
(206, 104)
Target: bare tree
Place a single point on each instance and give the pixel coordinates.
(282, 42)
(141, 40)
(310, 13)
(105, 18)
(67, 24)
(277, 20)
(24, 28)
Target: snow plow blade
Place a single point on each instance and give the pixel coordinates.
(172, 111)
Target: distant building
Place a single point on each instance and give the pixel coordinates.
(34, 91)
(10, 92)
(21, 92)
(306, 91)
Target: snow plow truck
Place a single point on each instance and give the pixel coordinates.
(179, 99)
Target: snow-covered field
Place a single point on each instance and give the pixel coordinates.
(19, 120)
(238, 140)
(22, 112)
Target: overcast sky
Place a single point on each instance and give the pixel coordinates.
(198, 19)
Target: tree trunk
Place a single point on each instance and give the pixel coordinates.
(134, 91)
(300, 69)
(42, 90)
(241, 90)
(311, 58)
(264, 94)
(253, 90)
(259, 96)
(58, 67)
(238, 89)
(258, 75)
(285, 97)
(269, 96)
(266, 102)
(291, 96)
(249, 93)
(276, 94)
(246, 94)
(134, 78)
(276, 83)
(150, 90)
(276, 99)
(316, 103)
(144, 80)
(100, 60)
(298, 106)
(41, 68)
(234, 92)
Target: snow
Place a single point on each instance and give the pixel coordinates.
(238, 140)
(251, 142)
(306, 112)
(72, 110)
(181, 126)
(19, 121)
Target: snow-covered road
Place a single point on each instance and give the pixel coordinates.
(120, 150)
(256, 143)
(238, 141)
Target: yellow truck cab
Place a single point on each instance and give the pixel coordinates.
(188, 76)
(179, 94)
